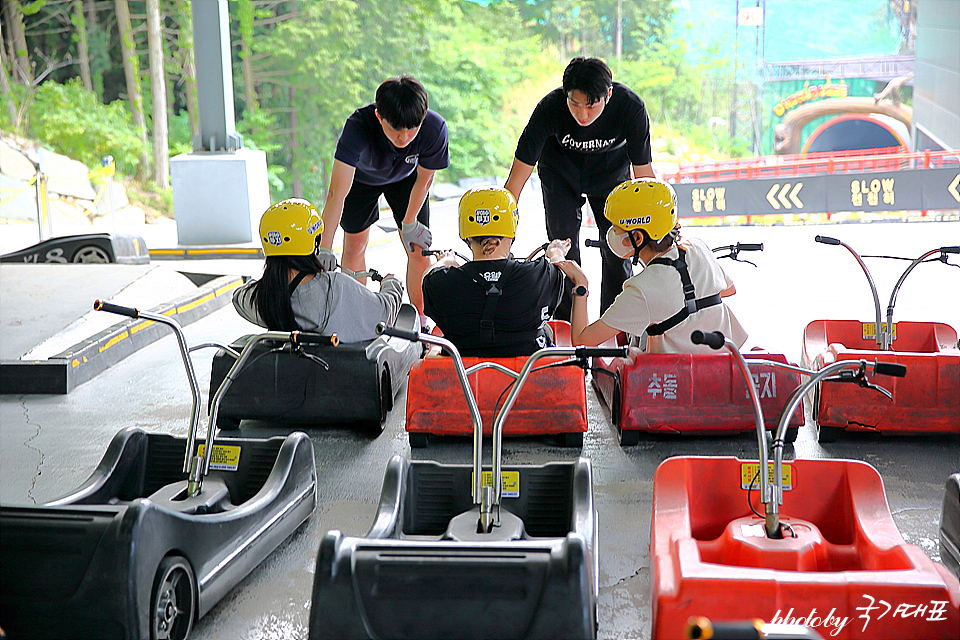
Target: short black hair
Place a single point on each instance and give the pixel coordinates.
(402, 102)
(592, 76)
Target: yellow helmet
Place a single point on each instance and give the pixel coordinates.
(488, 211)
(643, 203)
(290, 227)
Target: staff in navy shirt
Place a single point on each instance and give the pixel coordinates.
(392, 147)
(585, 137)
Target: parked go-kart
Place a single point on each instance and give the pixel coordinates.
(158, 534)
(825, 549)
(553, 401)
(928, 401)
(457, 551)
(318, 383)
(691, 393)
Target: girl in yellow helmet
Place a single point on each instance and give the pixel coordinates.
(296, 292)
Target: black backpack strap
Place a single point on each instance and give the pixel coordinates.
(494, 291)
(296, 282)
(690, 302)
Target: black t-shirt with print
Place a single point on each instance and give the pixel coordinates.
(621, 135)
(363, 145)
(530, 295)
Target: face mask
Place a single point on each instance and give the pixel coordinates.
(619, 243)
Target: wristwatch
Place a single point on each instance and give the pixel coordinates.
(580, 290)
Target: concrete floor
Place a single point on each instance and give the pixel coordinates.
(49, 444)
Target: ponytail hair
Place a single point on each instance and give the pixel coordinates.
(271, 294)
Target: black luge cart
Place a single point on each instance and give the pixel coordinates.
(157, 535)
(452, 554)
(317, 383)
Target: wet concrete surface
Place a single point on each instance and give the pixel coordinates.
(49, 444)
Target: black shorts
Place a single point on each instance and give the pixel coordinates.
(361, 207)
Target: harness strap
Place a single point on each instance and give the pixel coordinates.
(493, 296)
(296, 282)
(690, 302)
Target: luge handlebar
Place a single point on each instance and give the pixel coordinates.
(299, 337)
(827, 240)
(386, 330)
(714, 339)
(100, 305)
(892, 369)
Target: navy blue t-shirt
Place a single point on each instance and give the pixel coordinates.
(363, 145)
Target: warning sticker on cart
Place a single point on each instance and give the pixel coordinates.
(748, 475)
(223, 457)
(870, 331)
(510, 480)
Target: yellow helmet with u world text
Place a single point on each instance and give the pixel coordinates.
(488, 211)
(290, 227)
(643, 203)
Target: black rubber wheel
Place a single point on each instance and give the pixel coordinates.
(173, 603)
(226, 423)
(91, 255)
(616, 404)
(828, 434)
(418, 440)
(791, 435)
(629, 438)
(571, 439)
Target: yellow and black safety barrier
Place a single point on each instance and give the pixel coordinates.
(59, 374)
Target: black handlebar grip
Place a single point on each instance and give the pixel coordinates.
(826, 240)
(892, 369)
(384, 329)
(100, 305)
(299, 337)
(714, 339)
(703, 629)
(429, 252)
(590, 242)
(602, 352)
(950, 249)
(750, 246)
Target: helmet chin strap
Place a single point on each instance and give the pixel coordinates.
(636, 248)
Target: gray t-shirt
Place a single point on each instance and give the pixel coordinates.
(352, 313)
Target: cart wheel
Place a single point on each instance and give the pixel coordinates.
(91, 254)
(226, 423)
(791, 435)
(173, 604)
(629, 438)
(572, 439)
(828, 434)
(617, 403)
(418, 440)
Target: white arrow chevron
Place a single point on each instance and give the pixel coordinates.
(770, 196)
(793, 196)
(783, 192)
(952, 188)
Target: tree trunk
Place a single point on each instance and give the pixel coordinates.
(296, 184)
(158, 87)
(83, 50)
(22, 72)
(96, 50)
(6, 93)
(131, 69)
(184, 18)
(245, 14)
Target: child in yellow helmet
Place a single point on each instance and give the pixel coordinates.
(494, 306)
(680, 289)
(296, 292)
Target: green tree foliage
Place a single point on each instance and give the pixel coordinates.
(73, 122)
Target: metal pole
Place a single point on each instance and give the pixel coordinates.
(107, 161)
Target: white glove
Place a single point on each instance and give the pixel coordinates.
(415, 233)
(327, 258)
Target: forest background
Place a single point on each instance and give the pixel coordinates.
(90, 78)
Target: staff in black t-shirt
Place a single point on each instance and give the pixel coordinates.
(494, 306)
(392, 147)
(585, 136)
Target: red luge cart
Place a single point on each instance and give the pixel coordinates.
(926, 401)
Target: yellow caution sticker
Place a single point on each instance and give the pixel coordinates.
(223, 457)
(870, 330)
(748, 473)
(509, 479)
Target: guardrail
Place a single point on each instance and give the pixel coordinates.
(812, 164)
